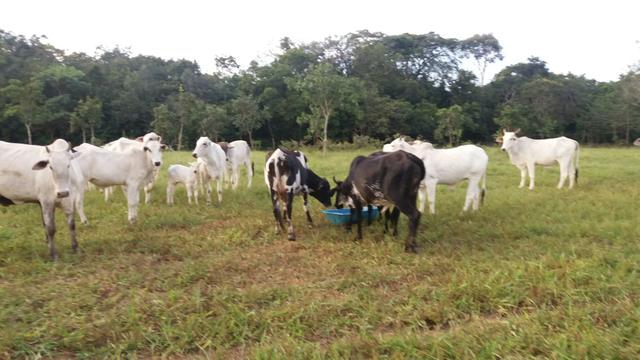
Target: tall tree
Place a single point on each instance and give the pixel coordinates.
(27, 103)
(452, 122)
(246, 115)
(87, 116)
(325, 90)
(484, 49)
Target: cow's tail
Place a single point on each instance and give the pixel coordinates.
(483, 191)
(576, 160)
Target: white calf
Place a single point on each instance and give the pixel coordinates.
(180, 174)
(214, 159)
(239, 154)
(525, 153)
(132, 169)
(449, 167)
(42, 174)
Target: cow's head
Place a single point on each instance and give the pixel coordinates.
(153, 149)
(343, 194)
(508, 139)
(322, 192)
(203, 146)
(57, 158)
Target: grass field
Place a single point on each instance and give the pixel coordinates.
(543, 273)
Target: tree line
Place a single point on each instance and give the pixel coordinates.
(363, 85)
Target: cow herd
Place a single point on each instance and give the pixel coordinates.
(399, 179)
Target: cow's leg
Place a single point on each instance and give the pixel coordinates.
(68, 208)
(170, 191)
(275, 202)
(107, 193)
(358, 210)
(219, 189)
(305, 204)
(249, 166)
(523, 175)
(147, 193)
(572, 173)
(208, 192)
(531, 167)
(422, 196)
(393, 217)
(431, 194)
(408, 208)
(195, 190)
(291, 233)
(49, 222)
(79, 202)
(564, 171)
(476, 192)
(369, 216)
(189, 193)
(133, 198)
(472, 195)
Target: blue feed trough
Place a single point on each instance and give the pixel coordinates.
(342, 216)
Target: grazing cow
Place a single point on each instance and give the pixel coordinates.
(123, 144)
(637, 142)
(287, 174)
(212, 155)
(449, 167)
(42, 174)
(239, 154)
(187, 175)
(133, 168)
(387, 180)
(525, 153)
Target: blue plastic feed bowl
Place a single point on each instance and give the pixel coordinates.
(342, 216)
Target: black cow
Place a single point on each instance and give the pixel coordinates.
(286, 174)
(387, 180)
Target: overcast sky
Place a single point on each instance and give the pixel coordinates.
(596, 38)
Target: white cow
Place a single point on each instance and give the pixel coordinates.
(133, 169)
(187, 175)
(42, 174)
(123, 144)
(215, 164)
(449, 167)
(525, 153)
(239, 154)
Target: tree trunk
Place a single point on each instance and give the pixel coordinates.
(84, 135)
(250, 139)
(93, 135)
(180, 136)
(28, 126)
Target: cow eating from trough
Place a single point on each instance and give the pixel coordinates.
(387, 180)
(525, 153)
(287, 174)
(40, 174)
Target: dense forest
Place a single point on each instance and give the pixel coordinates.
(360, 87)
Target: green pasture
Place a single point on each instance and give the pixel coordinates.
(543, 273)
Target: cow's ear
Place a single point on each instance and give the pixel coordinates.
(338, 183)
(42, 164)
(499, 139)
(164, 147)
(146, 149)
(516, 131)
(75, 154)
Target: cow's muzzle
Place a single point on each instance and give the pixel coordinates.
(62, 194)
(157, 163)
(194, 155)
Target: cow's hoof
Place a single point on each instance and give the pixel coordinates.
(291, 237)
(411, 249)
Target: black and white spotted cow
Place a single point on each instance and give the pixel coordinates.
(286, 174)
(387, 180)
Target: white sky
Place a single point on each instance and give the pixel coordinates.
(596, 38)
